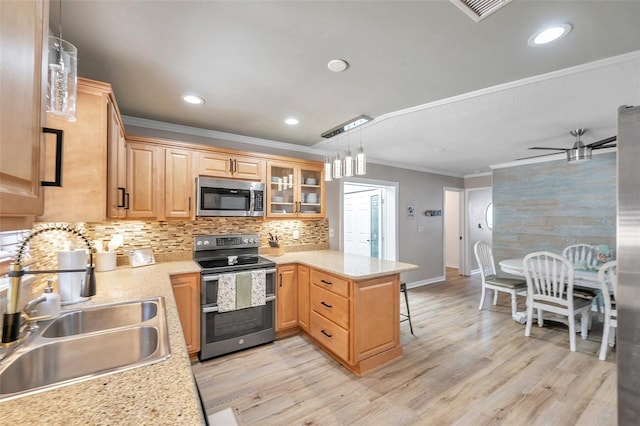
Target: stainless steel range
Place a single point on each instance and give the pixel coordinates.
(230, 331)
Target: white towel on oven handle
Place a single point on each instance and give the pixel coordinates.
(226, 293)
(258, 287)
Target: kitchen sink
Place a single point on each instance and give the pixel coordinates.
(86, 343)
(101, 318)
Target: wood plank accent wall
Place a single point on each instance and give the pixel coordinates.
(548, 206)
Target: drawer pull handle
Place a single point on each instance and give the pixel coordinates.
(326, 282)
(328, 306)
(326, 334)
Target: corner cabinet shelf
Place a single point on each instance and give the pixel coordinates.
(295, 190)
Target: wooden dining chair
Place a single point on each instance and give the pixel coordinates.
(581, 256)
(585, 256)
(550, 288)
(491, 280)
(608, 277)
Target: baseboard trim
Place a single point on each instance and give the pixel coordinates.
(425, 282)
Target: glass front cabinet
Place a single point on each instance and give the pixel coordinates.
(295, 190)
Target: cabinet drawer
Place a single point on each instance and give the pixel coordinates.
(331, 335)
(330, 282)
(330, 305)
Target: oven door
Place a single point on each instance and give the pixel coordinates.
(226, 332)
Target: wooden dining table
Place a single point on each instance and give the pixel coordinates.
(582, 278)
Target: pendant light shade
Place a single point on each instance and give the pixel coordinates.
(361, 162)
(337, 167)
(62, 78)
(348, 164)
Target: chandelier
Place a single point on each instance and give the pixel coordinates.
(342, 163)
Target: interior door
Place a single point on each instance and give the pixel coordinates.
(358, 223)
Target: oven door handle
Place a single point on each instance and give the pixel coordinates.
(209, 309)
(207, 278)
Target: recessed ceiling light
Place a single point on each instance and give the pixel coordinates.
(438, 149)
(291, 121)
(193, 99)
(337, 65)
(550, 34)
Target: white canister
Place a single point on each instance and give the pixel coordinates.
(70, 283)
(105, 261)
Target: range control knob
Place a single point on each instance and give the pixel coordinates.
(251, 240)
(246, 240)
(206, 242)
(199, 243)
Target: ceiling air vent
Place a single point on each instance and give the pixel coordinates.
(480, 9)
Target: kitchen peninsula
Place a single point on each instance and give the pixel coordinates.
(347, 304)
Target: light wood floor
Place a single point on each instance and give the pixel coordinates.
(463, 366)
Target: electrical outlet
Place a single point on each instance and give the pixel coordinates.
(420, 228)
(296, 234)
(331, 233)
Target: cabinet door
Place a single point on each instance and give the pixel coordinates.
(116, 165)
(311, 191)
(179, 183)
(186, 290)
(286, 298)
(304, 280)
(144, 183)
(377, 316)
(214, 164)
(282, 191)
(23, 31)
(248, 168)
(83, 194)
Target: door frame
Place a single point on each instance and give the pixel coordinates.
(462, 203)
(395, 209)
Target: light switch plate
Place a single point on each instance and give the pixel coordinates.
(296, 234)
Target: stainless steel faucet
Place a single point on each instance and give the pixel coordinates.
(11, 320)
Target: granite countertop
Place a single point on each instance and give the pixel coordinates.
(352, 266)
(160, 394)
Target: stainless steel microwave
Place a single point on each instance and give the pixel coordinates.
(228, 197)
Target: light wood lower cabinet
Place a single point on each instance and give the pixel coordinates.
(357, 322)
(286, 297)
(304, 284)
(186, 290)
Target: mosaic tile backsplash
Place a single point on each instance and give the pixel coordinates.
(173, 240)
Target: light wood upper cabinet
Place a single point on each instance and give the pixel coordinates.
(295, 190)
(286, 297)
(144, 180)
(179, 185)
(83, 194)
(220, 164)
(117, 164)
(23, 31)
(160, 181)
(186, 291)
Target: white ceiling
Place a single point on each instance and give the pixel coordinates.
(430, 76)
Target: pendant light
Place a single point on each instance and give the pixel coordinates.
(337, 166)
(327, 166)
(361, 159)
(348, 160)
(62, 77)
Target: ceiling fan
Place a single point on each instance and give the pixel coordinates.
(579, 151)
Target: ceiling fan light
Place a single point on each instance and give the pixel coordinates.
(578, 153)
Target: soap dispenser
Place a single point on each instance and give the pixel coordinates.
(51, 306)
